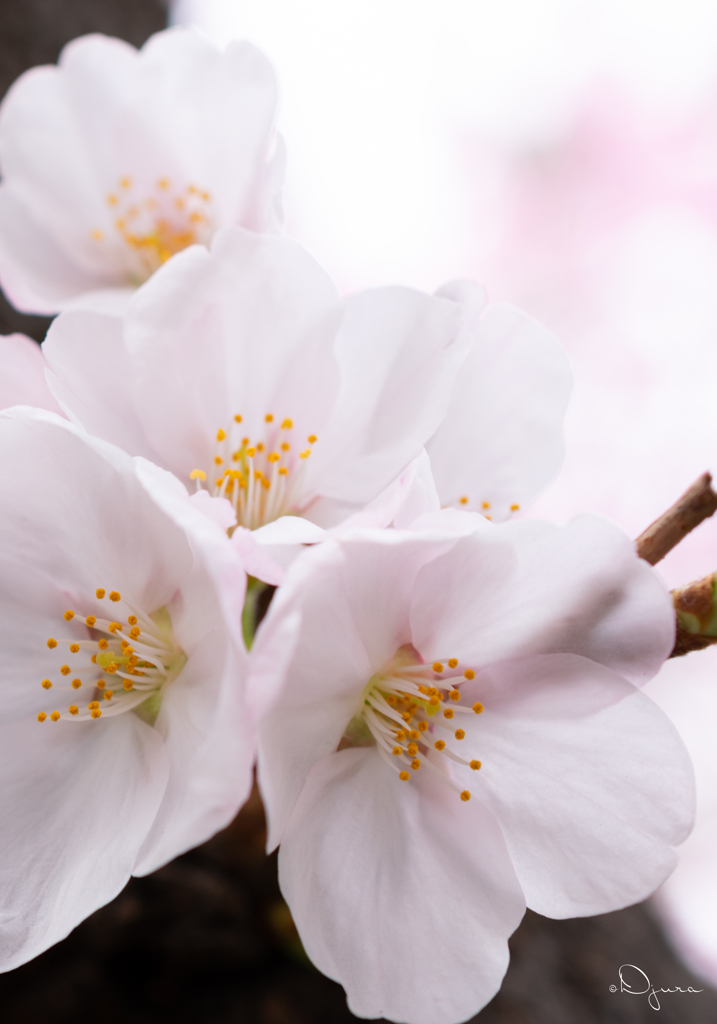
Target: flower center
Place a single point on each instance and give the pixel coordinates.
(121, 663)
(157, 226)
(406, 707)
(261, 478)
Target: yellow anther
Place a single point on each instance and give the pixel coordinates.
(391, 700)
(221, 434)
(74, 648)
(134, 632)
(422, 726)
(93, 659)
(414, 734)
(46, 684)
(464, 500)
(245, 441)
(179, 203)
(125, 182)
(412, 749)
(250, 452)
(93, 705)
(434, 701)
(108, 694)
(312, 439)
(305, 454)
(477, 707)
(283, 471)
(260, 447)
(198, 474)
(439, 744)
(54, 716)
(401, 735)
(219, 481)
(99, 593)
(111, 200)
(114, 627)
(76, 684)
(469, 674)
(268, 418)
(132, 620)
(101, 684)
(274, 457)
(460, 734)
(406, 716)
(218, 460)
(73, 709)
(287, 424)
(90, 621)
(102, 644)
(115, 595)
(163, 183)
(111, 668)
(95, 713)
(514, 508)
(455, 695)
(237, 418)
(465, 795)
(68, 615)
(448, 713)
(452, 662)
(96, 235)
(437, 666)
(404, 776)
(434, 691)
(41, 716)
(285, 446)
(475, 765)
(485, 504)
(415, 764)
(51, 643)
(397, 750)
(65, 669)
(128, 684)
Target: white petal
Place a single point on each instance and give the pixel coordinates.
(399, 352)
(531, 587)
(588, 778)
(501, 440)
(22, 374)
(77, 801)
(400, 891)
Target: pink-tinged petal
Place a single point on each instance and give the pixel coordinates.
(400, 891)
(73, 540)
(209, 741)
(588, 778)
(353, 600)
(399, 352)
(77, 800)
(36, 273)
(258, 561)
(420, 497)
(22, 376)
(90, 375)
(219, 510)
(534, 588)
(246, 329)
(501, 440)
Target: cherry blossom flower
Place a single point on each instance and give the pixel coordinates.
(126, 738)
(116, 159)
(22, 374)
(459, 734)
(242, 371)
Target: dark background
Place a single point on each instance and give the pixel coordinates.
(208, 938)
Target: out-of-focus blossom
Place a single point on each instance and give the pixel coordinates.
(116, 159)
(22, 374)
(125, 735)
(458, 734)
(241, 370)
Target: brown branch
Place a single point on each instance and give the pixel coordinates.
(696, 616)
(698, 503)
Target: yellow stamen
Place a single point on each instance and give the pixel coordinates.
(46, 684)
(41, 716)
(448, 713)
(455, 695)
(198, 474)
(68, 615)
(74, 648)
(465, 795)
(51, 643)
(477, 707)
(404, 776)
(475, 765)
(76, 684)
(55, 715)
(90, 621)
(95, 713)
(514, 508)
(65, 669)
(460, 734)
(439, 744)
(73, 709)
(469, 673)
(415, 764)
(115, 595)
(99, 593)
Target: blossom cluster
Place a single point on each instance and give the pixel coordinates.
(442, 703)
